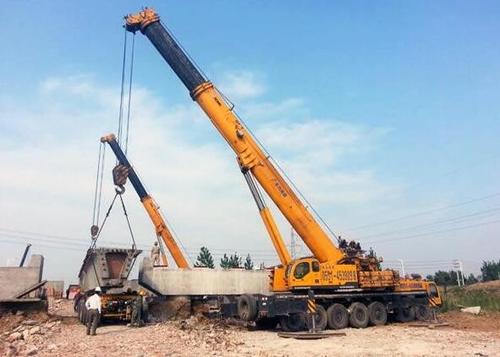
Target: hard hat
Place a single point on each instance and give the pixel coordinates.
(97, 289)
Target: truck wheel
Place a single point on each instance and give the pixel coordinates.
(358, 316)
(320, 319)
(422, 312)
(266, 323)
(145, 312)
(405, 314)
(337, 316)
(84, 314)
(377, 313)
(247, 307)
(81, 310)
(292, 323)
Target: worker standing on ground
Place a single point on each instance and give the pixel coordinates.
(136, 320)
(93, 305)
(155, 254)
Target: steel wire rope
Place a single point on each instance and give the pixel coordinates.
(94, 209)
(132, 55)
(122, 88)
(128, 222)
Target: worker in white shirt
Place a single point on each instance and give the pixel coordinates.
(155, 254)
(93, 305)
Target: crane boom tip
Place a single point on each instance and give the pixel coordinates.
(141, 19)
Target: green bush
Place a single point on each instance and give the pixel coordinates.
(457, 298)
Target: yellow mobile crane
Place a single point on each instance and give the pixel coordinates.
(349, 285)
(125, 169)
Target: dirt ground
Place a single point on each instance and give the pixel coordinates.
(62, 335)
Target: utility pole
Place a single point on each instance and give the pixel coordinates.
(402, 267)
(462, 271)
(457, 264)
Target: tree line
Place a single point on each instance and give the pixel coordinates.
(206, 260)
(490, 270)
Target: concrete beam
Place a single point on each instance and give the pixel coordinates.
(202, 281)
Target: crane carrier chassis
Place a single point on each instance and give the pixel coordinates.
(247, 295)
(333, 310)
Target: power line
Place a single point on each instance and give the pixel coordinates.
(457, 219)
(421, 213)
(65, 241)
(436, 232)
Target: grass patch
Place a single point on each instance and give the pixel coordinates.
(456, 298)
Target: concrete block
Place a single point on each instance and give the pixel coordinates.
(14, 280)
(203, 281)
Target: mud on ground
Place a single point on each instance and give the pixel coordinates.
(56, 335)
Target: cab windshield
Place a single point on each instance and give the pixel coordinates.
(301, 270)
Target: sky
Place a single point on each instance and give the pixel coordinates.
(384, 114)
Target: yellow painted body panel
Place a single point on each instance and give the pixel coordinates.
(276, 239)
(326, 275)
(277, 279)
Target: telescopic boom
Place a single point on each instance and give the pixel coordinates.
(250, 155)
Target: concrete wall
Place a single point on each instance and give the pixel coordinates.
(14, 280)
(55, 288)
(203, 281)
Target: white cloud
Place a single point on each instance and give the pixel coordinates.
(241, 84)
(49, 155)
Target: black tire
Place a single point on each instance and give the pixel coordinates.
(405, 314)
(266, 323)
(145, 311)
(423, 312)
(358, 315)
(292, 323)
(84, 314)
(337, 316)
(247, 307)
(377, 313)
(320, 319)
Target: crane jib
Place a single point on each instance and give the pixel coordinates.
(122, 159)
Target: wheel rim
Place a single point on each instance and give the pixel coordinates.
(339, 317)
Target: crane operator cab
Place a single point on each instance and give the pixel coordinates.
(306, 273)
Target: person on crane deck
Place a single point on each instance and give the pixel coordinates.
(93, 305)
(155, 254)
